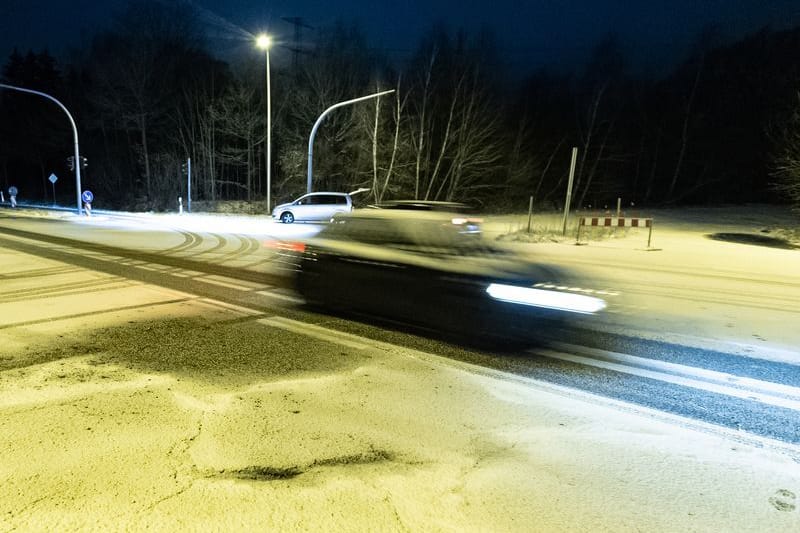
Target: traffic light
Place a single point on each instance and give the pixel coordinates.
(184, 169)
(71, 162)
(84, 162)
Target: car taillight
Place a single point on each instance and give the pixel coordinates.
(463, 220)
(467, 225)
(286, 246)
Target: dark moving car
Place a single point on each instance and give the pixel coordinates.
(422, 205)
(434, 270)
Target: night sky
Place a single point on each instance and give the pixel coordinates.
(530, 33)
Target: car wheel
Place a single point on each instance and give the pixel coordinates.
(287, 218)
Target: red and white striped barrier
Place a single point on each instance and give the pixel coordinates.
(616, 222)
(619, 222)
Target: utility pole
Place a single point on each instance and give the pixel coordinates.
(186, 170)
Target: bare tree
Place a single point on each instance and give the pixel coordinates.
(444, 144)
(478, 146)
(239, 124)
(546, 169)
(453, 124)
(421, 148)
(687, 116)
(786, 163)
(602, 83)
(588, 134)
(380, 184)
(135, 66)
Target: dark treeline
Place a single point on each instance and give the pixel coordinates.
(147, 94)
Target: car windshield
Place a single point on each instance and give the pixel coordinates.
(456, 236)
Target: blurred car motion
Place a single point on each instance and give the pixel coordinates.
(422, 205)
(435, 270)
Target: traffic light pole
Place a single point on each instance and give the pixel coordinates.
(319, 121)
(189, 185)
(74, 135)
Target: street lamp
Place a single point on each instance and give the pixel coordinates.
(264, 42)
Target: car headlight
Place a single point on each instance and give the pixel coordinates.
(561, 301)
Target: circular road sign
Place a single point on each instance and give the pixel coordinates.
(12, 191)
(87, 196)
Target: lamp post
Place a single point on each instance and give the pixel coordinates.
(264, 42)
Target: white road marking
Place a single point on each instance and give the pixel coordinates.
(603, 292)
(697, 378)
(674, 368)
(770, 352)
(280, 296)
(317, 332)
(233, 283)
(238, 308)
(153, 267)
(188, 273)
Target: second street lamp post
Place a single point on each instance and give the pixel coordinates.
(265, 42)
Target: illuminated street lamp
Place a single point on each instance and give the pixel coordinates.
(264, 42)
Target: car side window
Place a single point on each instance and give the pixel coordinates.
(322, 199)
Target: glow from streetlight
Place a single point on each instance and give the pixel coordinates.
(264, 41)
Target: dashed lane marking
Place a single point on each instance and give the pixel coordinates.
(233, 283)
(317, 332)
(281, 296)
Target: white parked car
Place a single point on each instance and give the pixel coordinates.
(314, 206)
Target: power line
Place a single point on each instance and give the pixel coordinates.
(299, 24)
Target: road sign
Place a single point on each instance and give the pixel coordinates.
(12, 191)
(87, 196)
(53, 178)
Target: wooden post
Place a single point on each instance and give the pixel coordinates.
(530, 213)
(569, 188)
